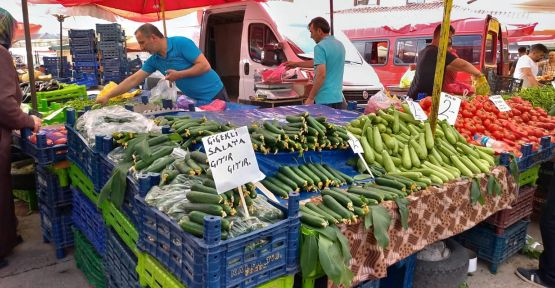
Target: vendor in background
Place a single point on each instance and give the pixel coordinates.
(423, 81)
(521, 52)
(328, 63)
(527, 66)
(180, 60)
(12, 118)
(548, 66)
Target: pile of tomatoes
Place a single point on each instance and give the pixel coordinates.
(522, 124)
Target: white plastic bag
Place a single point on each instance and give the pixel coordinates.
(164, 90)
(380, 101)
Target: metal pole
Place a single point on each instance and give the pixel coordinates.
(60, 65)
(163, 8)
(440, 65)
(28, 47)
(331, 17)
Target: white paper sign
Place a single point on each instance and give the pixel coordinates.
(232, 159)
(553, 84)
(449, 108)
(500, 103)
(354, 143)
(417, 111)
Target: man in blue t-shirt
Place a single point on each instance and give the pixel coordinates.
(328, 63)
(180, 60)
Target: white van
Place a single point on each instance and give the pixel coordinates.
(242, 37)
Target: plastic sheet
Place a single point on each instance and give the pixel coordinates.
(112, 119)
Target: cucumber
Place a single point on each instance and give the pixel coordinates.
(315, 179)
(428, 135)
(344, 200)
(313, 220)
(388, 162)
(302, 175)
(357, 200)
(321, 213)
(203, 188)
(325, 209)
(467, 150)
(422, 143)
(199, 157)
(468, 163)
(201, 197)
(159, 164)
(391, 183)
(198, 217)
(377, 139)
(331, 203)
(211, 209)
(368, 152)
(319, 174)
(276, 189)
(285, 179)
(370, 194)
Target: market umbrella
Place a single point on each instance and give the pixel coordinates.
(20, 30)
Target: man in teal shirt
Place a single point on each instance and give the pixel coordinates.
(180, 60)
(328, 63)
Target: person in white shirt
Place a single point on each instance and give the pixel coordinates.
(527, 66)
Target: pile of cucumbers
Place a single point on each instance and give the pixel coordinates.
(192, 130)
(310, 177)
(406, 148)
(301, 133)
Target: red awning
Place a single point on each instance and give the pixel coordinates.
(20, 30)
(140, 10)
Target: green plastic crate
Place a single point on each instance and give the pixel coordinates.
(153, 274)
(29, 197)
(69, 92)
(88, 261)
(81, 181)
(123, 227)
(529, 176)
(45, 110)
(281, 282)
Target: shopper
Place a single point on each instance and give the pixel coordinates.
(527, 66)
(545, 275)
(521, 52)
(548, 66)
(328, 63)
(180, 60)
(12, 118)
(423, 81)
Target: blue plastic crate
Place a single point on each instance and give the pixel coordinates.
(49, 189)
(120, 263)
(110, 45)
(400, 274)
(56, 224)
(244, 261)
(88, 219)
(114, 79)
(103, 28)
(82, 41)
(371, 284)
(42, 153)
(113, 53)
(92, 57)
(495, 248)
(81, 33)
(53, 61)
(79, 64)
(530, 158)
(79, 151)
(79, 50)
(87, 79)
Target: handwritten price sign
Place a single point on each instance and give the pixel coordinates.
(449, 106)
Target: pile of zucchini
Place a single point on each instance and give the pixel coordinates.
(192, 130)
(301, 133)
(310, 177)
(397, 142)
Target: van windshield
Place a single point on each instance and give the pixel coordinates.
(299, 36)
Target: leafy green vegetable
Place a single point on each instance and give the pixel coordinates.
(309, 254)
(403, 211)
(543, 97)
(381, 221)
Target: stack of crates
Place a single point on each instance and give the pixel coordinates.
(51, 65)
(85, 55)
(55, 205)
(113, 52)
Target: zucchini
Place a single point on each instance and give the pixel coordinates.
(302, 175)
(325, 209)
(199, 157)
(391, 183)
(312, 220)
(211, 209)
(203, 188)
(344, 200)
(159, 164)
(370, 194)
(338, 174)
(315, 179)
(285, 179)
(201, 197)
(276, 189)
(321, 213)
(198, 217)
(357, 200)
(331, 203)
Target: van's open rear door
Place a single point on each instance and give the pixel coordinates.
(490, 46)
